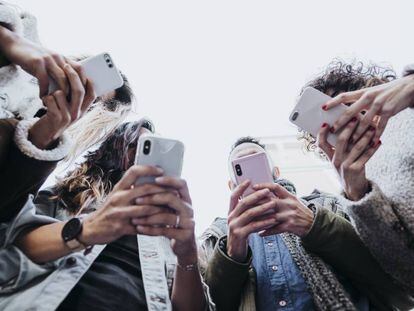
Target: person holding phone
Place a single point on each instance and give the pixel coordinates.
(377, 176)
(278, 251)
(36, 129)
(79, 238)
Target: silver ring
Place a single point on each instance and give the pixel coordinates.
(177, 222)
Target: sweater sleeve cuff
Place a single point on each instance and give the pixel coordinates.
(10, 18)
(21, 139)
(408, 70)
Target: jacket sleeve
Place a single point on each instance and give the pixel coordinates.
(16, 269)
(408, 70)
(334, 239)
(385, 233)
(226, 278)
(21, 173)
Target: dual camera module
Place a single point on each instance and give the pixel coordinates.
(147, 147)
(238, 170)
(108, 60)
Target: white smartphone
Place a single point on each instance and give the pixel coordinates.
(101, 70)
(309, 115)
(162, 152)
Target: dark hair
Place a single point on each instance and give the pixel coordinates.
(123, 96)
(247, 139)
(339, 77)
(94, 178)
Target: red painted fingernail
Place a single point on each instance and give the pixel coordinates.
(325, 125)
(332, 129)
(354, 119)
(379, 142)
(325, 107)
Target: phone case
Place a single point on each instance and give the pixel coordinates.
(309, 115)
(101, 70)
(254, 167)
(164, 153)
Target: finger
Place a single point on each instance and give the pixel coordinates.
(364, 158)
(51, 105)
(167, 199)
(58, 74)
(249, 201)
(148, 189)
(361, 145)
(380, 128)
(77, 91)
(178, 184)
(137, 211)
(322, 141)
(237, 193)
(90, 96)
(79, 69)
(62, 104)
(129, 196)
(43, 80)
(168, 220)
(257, 226)
(366, 121)
(171, 233)
(352, 111)
(134, 172)
(342, 143)
(278, 229)
(343, 98)
(277, 189)
(257, 211)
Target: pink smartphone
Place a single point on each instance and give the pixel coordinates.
(254, 167)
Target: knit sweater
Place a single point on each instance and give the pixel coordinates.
(384, 218)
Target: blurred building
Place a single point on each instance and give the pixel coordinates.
(305, 169)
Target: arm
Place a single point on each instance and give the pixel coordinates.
(226, 277)
(335, 240)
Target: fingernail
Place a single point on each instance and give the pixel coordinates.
(325, 107)
(379, 142)
(354, 119)
(160, 170)
(140, 228)
(324, 125)
(139, 200)
(332, 129)
(158, 179)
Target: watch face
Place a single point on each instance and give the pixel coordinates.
(71, 229)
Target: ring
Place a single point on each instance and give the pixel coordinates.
(177, 222)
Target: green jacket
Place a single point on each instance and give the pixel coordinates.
(332, 238)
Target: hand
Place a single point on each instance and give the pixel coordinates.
(349, 159)
(113, 219)
(243, 218)
(381, 102)
(291, 214)
(34, 59)
(176, 223)
(61, 113)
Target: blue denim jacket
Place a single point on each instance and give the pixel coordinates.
(280, 285)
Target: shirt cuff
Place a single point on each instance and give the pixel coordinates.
(21, 139)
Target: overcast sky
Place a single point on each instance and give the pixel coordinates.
(207, 72)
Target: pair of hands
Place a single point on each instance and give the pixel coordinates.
(160, 209)
(360, 134)
(271, 209)
(69, 76)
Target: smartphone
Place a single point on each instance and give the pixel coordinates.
(162, 152)
(101, 70)
(309, 115)
(254, 167)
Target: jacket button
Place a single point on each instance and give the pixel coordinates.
(71, 261)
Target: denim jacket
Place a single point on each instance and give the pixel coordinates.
(25, 285)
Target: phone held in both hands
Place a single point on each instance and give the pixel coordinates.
(161, 152)
(101, 70)
(255, 168)
(309, 115)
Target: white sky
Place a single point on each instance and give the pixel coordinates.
(208, 72)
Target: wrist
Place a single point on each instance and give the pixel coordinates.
(86, 237)
(237, 250)
(40, 135)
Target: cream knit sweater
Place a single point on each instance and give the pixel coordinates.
(384, 218)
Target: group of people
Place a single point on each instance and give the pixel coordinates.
(97, 241)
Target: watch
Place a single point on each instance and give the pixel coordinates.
(70, 231)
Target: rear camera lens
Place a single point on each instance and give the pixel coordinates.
(147, 147)
(238, 170)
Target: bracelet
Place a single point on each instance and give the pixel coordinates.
(190, 267)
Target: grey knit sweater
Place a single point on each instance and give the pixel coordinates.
(384, 218)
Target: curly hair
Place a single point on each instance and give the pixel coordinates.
(339, 77)
(94, 178)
